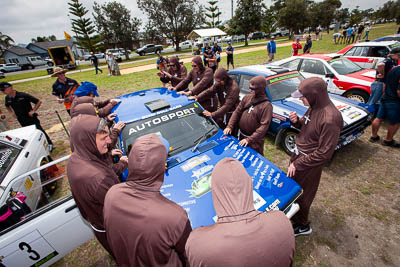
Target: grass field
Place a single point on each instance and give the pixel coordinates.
(355, 216)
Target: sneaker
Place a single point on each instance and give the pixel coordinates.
(374, 139)
(302, 230)
(392, 143)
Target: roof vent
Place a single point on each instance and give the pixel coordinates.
(157, 105)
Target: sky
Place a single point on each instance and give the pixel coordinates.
(23, 20)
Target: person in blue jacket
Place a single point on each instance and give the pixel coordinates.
(271, 49)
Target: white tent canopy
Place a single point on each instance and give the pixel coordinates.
(205, 33)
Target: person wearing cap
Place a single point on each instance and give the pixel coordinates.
(241, 236)
(143, 227)
(296, 46)
(19, 105)
(271, 49)
(63, 88)
(389, 101)
(252, 116)
(95, 62)
(229, 55)
(204, 51)
(176, 73)
(320, 128)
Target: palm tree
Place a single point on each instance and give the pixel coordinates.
(5, 41)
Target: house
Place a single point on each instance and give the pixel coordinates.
(17, 54)
(41, 47)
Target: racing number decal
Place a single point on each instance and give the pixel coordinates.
(33, 255)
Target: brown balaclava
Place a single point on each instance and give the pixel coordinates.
(84, 108)
(260, 84)
(222, 74)
(315, 91)
(175, 61)
(146, 163)
(199, 62)
(232, 192)
(80, 100)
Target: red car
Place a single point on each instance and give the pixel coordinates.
(342, 75)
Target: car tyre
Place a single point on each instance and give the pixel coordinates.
(357, 95)
(158, 51)
(50, 64)
(288, 141)
(141, 54)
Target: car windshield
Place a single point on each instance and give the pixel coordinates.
(281, 87)
(8, 155)
(344, 66)
(182, 127)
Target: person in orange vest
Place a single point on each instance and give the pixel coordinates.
(64, 88)
(296, 47)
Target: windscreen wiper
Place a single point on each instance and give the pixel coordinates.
(200, 139)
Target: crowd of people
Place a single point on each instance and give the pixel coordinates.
(351, 34)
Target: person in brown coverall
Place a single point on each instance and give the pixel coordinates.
(253, 115)
(143, 227)
(320, 128)
(89, 109)
(103, 107)
(202, 78)
(176, 72)
(227, 91)
(242, 236)
(89, 175)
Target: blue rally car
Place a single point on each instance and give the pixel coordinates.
(197, 144)
(281, 83)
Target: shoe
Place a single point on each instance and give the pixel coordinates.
(301, 229)
(374, 139)
(392, 143)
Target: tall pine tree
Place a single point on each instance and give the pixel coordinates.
(213, 14)
(85, 32)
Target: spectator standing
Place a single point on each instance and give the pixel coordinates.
(344, 35)
(64, 88)
(143, 227)
(367, 32)
(108, 58)
(19, 105)
(229, 52)
(308, 45)
(319, 132)
(360, 31)
(95, 62)
(271, 49)
(242, 236)
(353, 33)
(204, 51)
(217, 50)
(349, 33)
(317, 32)
(296, 46)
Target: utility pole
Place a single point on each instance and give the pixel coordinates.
(231, 9)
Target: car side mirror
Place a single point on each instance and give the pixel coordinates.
(330, 75)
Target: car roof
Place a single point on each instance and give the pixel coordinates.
(383, 43)
(325, 57)
(263, 70)
(133, 105)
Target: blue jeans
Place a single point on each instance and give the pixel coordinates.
(376, 93)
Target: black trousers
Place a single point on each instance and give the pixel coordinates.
(26, 121)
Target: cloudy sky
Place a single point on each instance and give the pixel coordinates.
(27, 19)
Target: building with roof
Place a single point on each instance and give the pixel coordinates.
(17, 54)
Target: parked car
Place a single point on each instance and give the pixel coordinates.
(238, 38)
(9, 67)
(226, 38)
(281, 82)
(185, 45)
(256, 36)
(116, 54)
(280, 32)
(98, 55)
(344, 77)
(368, 54)
(200, 41)
(28, 63)
(196, 145)
(393, 37)
(49, 61)
(149, 48)
(2, 75)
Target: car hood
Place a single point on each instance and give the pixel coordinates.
(364, 77)
(188, 179)
(351, 112)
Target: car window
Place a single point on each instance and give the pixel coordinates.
(244, 83)
(351, 51)
(235, 77)
(344, 66)
(292, 65)
(52, 188)
(361, 51)
(312, 66)
(8, 155)
(182, 128)
(282, 86)
(377, 51)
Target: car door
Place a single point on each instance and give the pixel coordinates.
(312, 68)
(48, 233)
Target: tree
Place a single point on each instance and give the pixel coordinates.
(294, 9)
(391, 10)
(323, 13)
(152, 34)
(342, 15)
(268, 24)
(83, 28)
(355, 16)
(5, 41)
(248, 17)
(213, 14)
(43, 39)
(175, 19)
(114, 22)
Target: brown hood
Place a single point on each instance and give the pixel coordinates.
(222, 74)
(83, 136)
(84, 108)
(315, 91)
(259, 88)
(80, 100)
(199, 62)
(231, 189)
(146, 163)
(175, 61)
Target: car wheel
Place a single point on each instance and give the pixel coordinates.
(30, 67)
(50, 64)
(45, 175)
(288, 141)
(357, 95)
(141, 54)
